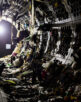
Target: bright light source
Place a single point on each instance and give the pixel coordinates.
(8, 46)
(2, 30)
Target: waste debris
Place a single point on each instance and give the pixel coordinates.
(28, 76)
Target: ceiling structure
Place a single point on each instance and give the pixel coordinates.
(52, 11)
(46, 15)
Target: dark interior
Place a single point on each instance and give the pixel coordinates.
(40, 50)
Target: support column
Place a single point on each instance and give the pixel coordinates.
(32, 19)
(12, 33)
(48, 41)
(58, 42)
(73, 30)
